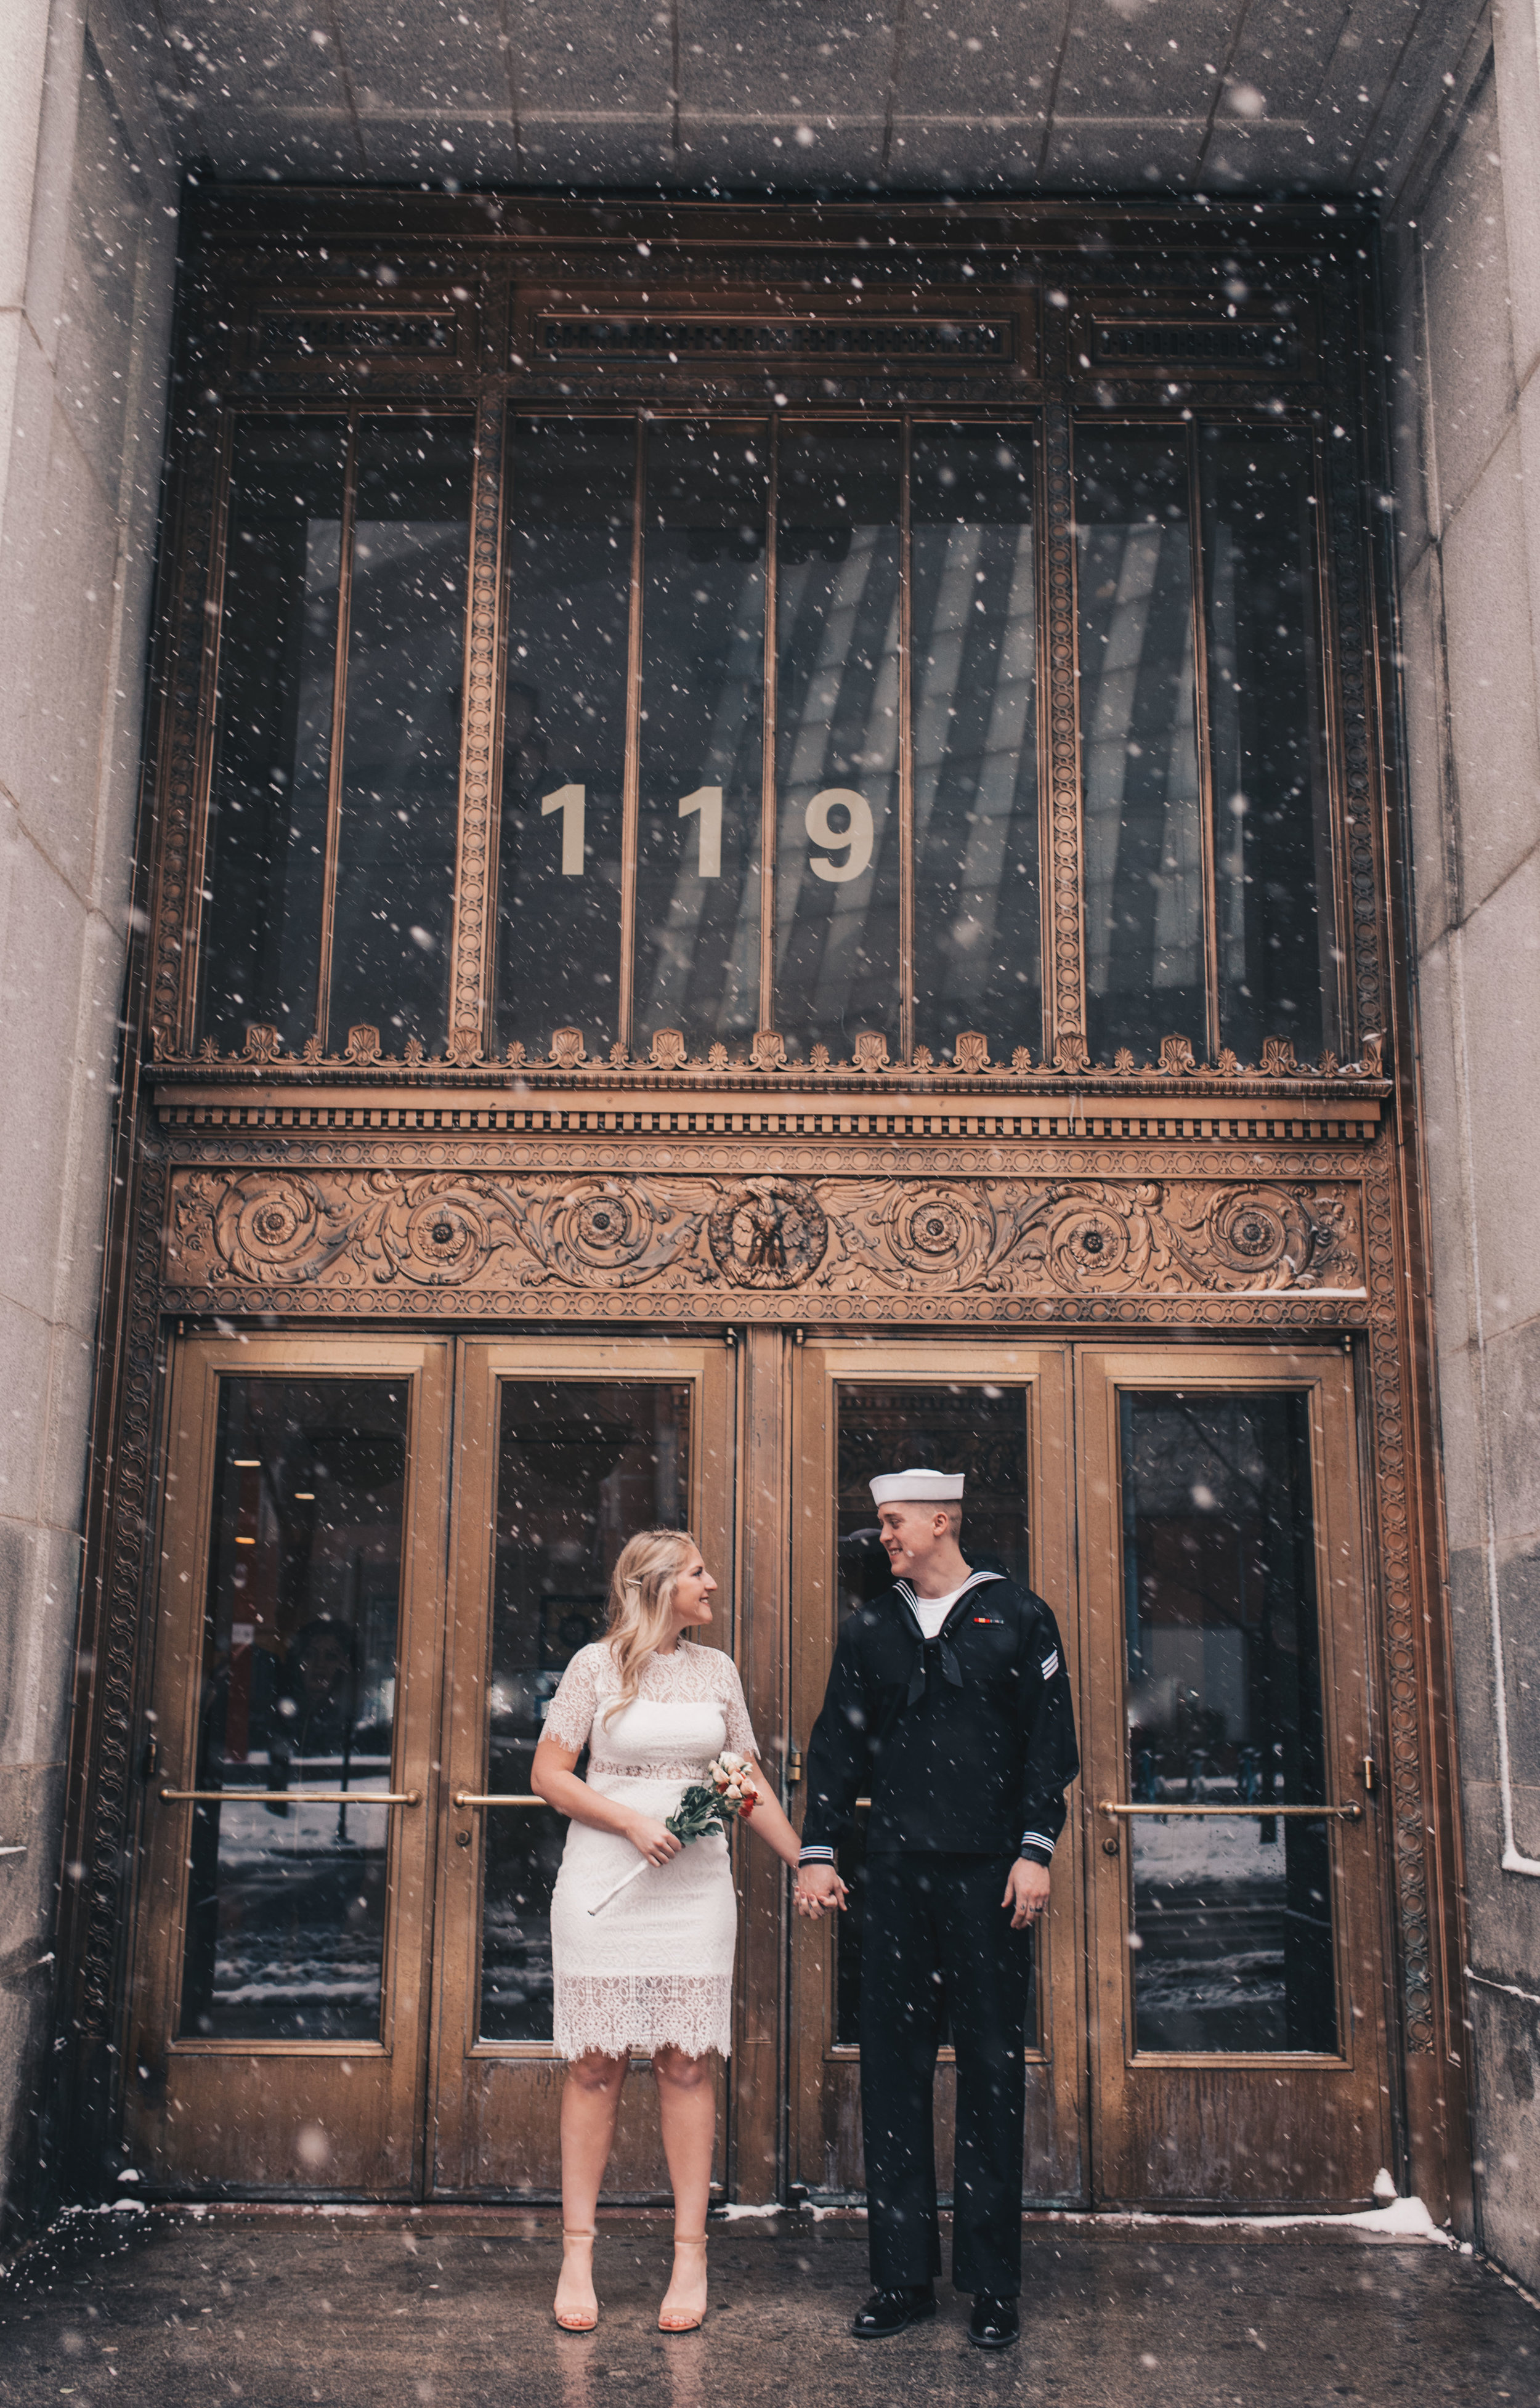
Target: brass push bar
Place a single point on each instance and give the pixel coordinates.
(293, 1797)
(523, 1798)
(1305, 1814)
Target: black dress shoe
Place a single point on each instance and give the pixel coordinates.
(889, 2312)
(994, 2323)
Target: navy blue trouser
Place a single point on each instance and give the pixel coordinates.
(934, 1933)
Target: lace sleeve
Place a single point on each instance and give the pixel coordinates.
(570, 1715)
(740, 1737)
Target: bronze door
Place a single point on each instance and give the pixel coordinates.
(342, 1977)
(280, 1984)
(998, 1410)
(565, 1448)
(1237, 1981)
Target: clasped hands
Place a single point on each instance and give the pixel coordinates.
(820, 1891)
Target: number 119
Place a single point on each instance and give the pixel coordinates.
(705, 805)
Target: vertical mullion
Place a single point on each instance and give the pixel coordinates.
(1064, 997)
(205, 733)
(632, 798)
(906, 766)
(473, 942)
(765, 1005)
(1348, 1036)
(339, 702)
(1204, 750)
(1043, 715)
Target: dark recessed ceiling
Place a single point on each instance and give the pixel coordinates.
(978, 95)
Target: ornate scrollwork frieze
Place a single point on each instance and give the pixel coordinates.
(1403, 1670)
(351, 1237)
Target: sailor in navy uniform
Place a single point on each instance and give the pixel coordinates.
(948, 1704)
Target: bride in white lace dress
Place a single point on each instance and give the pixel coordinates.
(651, 1972)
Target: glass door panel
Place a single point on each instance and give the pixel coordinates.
(978, 1430)
(579, 1467)
(278, 1981)
(564, 1451)
(1235, 1912)
(1231, 1906)
(287, 1902)
(998, 1414)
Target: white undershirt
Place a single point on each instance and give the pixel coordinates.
(931, 1612)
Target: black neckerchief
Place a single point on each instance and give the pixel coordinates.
(951, 1668)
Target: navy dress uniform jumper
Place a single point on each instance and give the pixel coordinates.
(965, 1744)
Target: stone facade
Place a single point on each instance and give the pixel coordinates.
(87, 251)
(1464, 255)
(87, 230)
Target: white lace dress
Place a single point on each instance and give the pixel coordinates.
(655, 1968)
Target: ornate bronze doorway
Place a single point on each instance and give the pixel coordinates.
(799, 796)
(371, 1586)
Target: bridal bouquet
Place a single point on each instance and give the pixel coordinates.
(726, 1796)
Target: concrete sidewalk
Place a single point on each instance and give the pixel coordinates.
(451, 2308)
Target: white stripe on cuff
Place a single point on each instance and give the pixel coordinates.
(1037, 1840)
(816, 1856)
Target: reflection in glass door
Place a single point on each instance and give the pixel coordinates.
(289, 1849)
(1235, 1929)
(565, 1450)
(1225, 1716)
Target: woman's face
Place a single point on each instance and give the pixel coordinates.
(694, 1590)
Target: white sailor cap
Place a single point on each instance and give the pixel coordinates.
(919, 1487)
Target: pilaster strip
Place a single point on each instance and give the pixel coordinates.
(107, 1816)
(475, 880)
(1063, 1008)
(1410, 1790)
(185, 745)
(1365, 934)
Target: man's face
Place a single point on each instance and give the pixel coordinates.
(911, 1534)
(324, 1669)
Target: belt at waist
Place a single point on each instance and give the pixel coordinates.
(645, 1772)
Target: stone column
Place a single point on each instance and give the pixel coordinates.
(1466, 250)
(87, 231)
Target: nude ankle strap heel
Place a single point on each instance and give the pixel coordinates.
(570, 2322)
(683, 2324)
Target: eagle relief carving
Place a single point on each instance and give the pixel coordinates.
(768, 1233)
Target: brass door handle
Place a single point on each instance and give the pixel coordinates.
(293, 1797)
(470, 1798)
(1304, 1813)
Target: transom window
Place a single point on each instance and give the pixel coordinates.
(767, 741)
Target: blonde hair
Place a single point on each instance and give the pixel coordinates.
(641, 1592)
